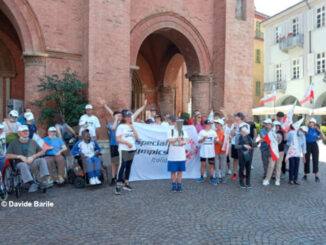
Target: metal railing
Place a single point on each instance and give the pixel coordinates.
(259, 34)
(291, 42)
(279, 85)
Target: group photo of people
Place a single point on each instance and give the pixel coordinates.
(226, 149)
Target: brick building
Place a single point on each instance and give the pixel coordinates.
(180, 55)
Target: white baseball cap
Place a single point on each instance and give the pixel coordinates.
(13, 113)
(52, 129)
(22, 128)
(313, 120)
(243, 124)
(88, 106)
(268, 121)
(304, 128)
(277, 123)
(29, 116)
(1, 126)
(219, 121)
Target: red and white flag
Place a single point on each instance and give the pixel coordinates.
(309, 95)
(226, 142)
(288, 119)
(271, 140)
(45, 146)
(268, 98)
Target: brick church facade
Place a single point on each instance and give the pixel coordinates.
(174, 53)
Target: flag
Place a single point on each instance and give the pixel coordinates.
(268, 98)
(287, 120)
(226, 142)
(309, 95)
(41, 143)
(271, 140)
(211, 116)
(294, 149)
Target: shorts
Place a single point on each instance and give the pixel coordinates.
(234, 152)
(175, 166)
(210, 160)
(114, 153)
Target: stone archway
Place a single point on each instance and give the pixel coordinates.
(158, 38)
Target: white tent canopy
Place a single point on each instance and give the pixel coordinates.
(320, 111)
(264, 110)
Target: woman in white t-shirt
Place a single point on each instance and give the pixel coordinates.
(177, 155)
(207, 138)
(126, 136)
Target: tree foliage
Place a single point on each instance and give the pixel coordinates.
(65, 95)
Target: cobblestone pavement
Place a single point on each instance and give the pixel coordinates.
(151, 214)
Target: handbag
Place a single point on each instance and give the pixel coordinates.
(246, 155)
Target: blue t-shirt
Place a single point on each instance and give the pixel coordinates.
(113, 140)
(263, 146)
(22, 121)
(57, 144)
(312, 135)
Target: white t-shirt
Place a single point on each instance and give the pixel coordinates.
(237, 132)
(207, 148)
(2, 144)
(176, 152)
(14, 126)
(165, 124)
(92, 124)
(127, 134)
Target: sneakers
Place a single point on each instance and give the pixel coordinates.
(224, 181)
(201, 179)
(296, 183)
(179, 188)
(242, 185)
(317, 179)
(113, 182)
(265, 182)
(60, 180)
(33, 187)
(213, 181)
(47, 183)
(97, 181)
(92, 181)
(277, 183)
(229, 172)
(117, 190)
(234, 176)
(127, 187)
(249, 186)
(174, 188)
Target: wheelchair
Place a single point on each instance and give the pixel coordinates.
(3, 190)
(78, 175)
(12, 180)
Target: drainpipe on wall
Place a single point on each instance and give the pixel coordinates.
(310, 49)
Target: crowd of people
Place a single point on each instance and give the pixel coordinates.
(221, 141)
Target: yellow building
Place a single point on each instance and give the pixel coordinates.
(258, 87)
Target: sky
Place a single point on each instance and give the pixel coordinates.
(272, 7)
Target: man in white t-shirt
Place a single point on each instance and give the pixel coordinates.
(11, 125)
(90, 122)
(177, 155)
(207, 138)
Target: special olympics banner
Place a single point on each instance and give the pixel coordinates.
(150, 161)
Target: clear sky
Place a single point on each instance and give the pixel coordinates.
(271, 7)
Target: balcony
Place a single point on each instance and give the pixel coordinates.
(291, 42)
(279, 85)
(259, 34)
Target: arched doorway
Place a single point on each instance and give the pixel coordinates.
(11, 68)
(168, 51)
(290, 100)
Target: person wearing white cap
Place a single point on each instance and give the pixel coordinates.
(54, 156)
(89, 121)
(22, 119)
(220, 155)
(277, 164)
(11, 125)
(2, 147)
(27, 153)
(30, 124)
(264, 148)
(312, 136)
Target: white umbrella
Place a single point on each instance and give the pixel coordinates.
(298, 109)
(319, 112)
(264, 110)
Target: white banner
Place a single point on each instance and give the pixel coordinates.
(150, 161)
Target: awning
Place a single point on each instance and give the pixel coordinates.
(264, 110)
(298, 109)
(320, 111)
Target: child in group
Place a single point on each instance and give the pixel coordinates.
(176, 155)
(89, 150)
(207, 138)
(220, 157)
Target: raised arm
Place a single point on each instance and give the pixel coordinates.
(137, 113)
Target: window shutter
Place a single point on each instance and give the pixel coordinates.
(300, 19)
(311, 64)
(271, 73)
(301, 67)
(286, 70)
(310, 19)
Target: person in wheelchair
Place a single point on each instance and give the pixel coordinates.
(27, 154)
(54, 156)
(89, 151)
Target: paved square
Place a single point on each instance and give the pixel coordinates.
(151, 214)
